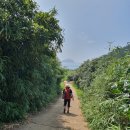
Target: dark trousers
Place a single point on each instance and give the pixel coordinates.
(67, 102)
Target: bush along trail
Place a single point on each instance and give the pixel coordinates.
(105, 86)
(30, 73)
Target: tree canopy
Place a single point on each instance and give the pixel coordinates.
(29, 69)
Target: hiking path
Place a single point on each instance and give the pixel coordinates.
(53, 118)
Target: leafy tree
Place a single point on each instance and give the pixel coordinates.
(29, 69)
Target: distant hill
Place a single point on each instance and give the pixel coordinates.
(70, 64)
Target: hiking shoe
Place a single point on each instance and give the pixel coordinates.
(64, 110)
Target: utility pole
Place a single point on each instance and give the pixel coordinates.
(110, 45)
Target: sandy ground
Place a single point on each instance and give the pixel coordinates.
(53, 118)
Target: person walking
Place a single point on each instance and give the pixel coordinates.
(67, 95)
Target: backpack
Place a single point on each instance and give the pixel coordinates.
(67, 94)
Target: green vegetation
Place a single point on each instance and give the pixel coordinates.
(30, 72)
(78, 91)
(105, 84)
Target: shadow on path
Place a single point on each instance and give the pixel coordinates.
(70, 114)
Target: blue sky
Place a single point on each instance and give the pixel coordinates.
(89, 25)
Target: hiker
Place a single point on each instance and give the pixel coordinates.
(67, 95)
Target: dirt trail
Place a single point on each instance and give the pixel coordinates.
(54, 119)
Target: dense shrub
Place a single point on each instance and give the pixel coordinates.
(30, 72)
(106, 90)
